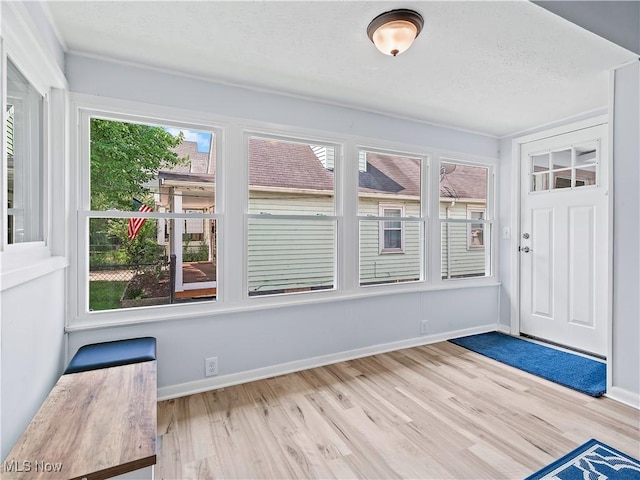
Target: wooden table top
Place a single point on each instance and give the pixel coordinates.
(93, 425)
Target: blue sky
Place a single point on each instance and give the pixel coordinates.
(203, 139)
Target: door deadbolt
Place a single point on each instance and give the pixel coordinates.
(525, 236)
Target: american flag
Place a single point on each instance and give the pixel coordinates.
(135, 224)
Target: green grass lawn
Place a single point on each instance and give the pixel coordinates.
(105, 295)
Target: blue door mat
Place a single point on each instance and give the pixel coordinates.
(574, 371)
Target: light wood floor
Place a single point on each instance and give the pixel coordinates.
(432, 412)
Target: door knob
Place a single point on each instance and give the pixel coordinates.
(526, 249)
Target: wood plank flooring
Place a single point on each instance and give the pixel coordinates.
(432, 412)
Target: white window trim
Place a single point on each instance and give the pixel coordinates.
(381, 211)
(78, 278)
(474, 209)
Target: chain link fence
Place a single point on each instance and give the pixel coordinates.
(123, 273)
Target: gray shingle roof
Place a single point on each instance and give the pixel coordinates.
(278, 164)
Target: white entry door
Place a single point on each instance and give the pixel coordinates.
(564, 274)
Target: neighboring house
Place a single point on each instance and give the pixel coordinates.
(292, 254)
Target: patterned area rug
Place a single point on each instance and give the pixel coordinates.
(592, 461)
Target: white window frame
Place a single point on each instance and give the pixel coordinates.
(83, 109)
(490, 250)
(383, 207)
(471, 209)
(265, 216)
(26, 261)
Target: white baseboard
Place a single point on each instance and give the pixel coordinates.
(624, 396)
(212, 383)
(504, 329)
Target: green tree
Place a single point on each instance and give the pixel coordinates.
(125, 157)
(125, 160)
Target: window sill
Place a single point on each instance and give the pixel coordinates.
(391, 251)
(23, 265)
(143, 315)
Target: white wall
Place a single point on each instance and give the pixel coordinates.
(247, 341)
(626, 230)
(290, 335)
(130, 82)
(32, 286)
(32, 350)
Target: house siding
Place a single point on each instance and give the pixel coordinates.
(463, 261)
(285, 255)
(289, 255)
(378, 267)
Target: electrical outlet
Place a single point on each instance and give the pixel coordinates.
(210, 366)
(424, 327)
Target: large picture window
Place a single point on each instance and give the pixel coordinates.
(151, 224)
(291, 224)
(25, 162)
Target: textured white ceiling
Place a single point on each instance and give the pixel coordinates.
(492, 67)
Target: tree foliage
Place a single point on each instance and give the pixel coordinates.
(125, 157)
(125, 161)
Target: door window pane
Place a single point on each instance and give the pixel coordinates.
(562, 179)
(586, 154)
(586, 176)
(540, 163)
(539, 182)
(561, 159)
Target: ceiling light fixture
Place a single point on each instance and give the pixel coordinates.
(393, 32)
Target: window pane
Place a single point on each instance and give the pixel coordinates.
(586, 154)
(562, 179)
(392, 239)
(586, 176)
(458, 261)
(540, 163)
(168, 169)
(539, 182)
(389, 260)
(152, 168)
(290, 178)
(24, 159)
(288, 256)
(391, 179)
(561, 159)
(130, 263)
(461, 185)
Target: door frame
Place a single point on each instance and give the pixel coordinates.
(516, 164)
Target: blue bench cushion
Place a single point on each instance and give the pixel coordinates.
(112, 354)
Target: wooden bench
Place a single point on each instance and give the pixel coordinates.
(94, 425)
